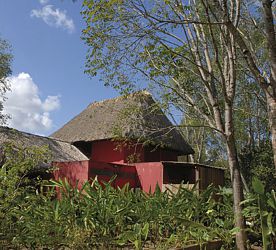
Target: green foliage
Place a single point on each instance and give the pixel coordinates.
(5, 71)
(260, 212)
(17, 163)
(258, 162)
(104, 217)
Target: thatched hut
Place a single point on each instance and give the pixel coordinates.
(131, 137)
(134, 121)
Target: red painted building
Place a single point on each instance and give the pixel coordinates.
(130, 137)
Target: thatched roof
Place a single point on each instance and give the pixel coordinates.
(60, 151)
(135, 116)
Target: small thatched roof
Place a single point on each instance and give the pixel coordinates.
(60, 151)
(135, 116)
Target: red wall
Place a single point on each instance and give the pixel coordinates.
(72, 171)
(112, 151)
(107, 151)
(143, 175)
(105, 171)
(109, 158)
(140, 175)
(124, 152)
(150, 174)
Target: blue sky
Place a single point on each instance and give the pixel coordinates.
(48, 84)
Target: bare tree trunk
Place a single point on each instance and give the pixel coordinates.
(237, 193)
(271, 103)
(235, 176)
(258, 128)
(271, 45)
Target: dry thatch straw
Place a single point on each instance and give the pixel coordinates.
(135, 116)
(60, 151)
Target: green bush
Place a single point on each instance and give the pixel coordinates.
(15, 187)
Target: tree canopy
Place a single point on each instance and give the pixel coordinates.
(5, 71)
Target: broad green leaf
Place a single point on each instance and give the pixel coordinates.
(258, 186)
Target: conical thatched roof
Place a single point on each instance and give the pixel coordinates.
(135, 116)
(59, 151)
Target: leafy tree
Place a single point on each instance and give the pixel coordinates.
(261, 17)
(5, 71)
(175, 45)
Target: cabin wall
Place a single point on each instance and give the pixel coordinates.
(105, 171)
(129, 152)
(144, 175)
(116, 151)
(153, 154)
(75, 172)
(150, 174)
(203, 176)
(209, 176)
(168, 155)
(107, 151)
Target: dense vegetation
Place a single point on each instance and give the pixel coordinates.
(100, 216)
(107, 217)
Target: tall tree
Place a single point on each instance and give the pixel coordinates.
(185, 53)
(5, 71)
(264, 73)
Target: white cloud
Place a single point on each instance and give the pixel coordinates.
(54, 17)
(51, 103)
(27, 110)
(43, 1)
